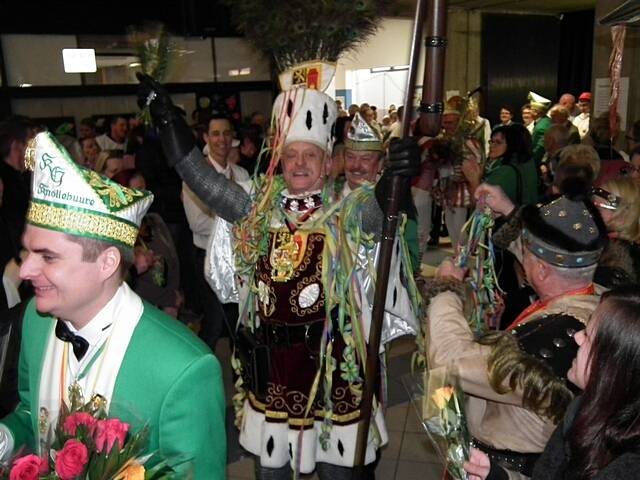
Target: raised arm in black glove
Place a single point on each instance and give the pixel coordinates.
(176, 136)
(403, 161)
(227, 198)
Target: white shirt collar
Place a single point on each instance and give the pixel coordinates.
(99, 326)
(226, 171)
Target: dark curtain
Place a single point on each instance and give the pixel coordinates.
(519, 54)
(575, 52)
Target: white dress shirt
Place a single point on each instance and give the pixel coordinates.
(199, 215)
(582, 123)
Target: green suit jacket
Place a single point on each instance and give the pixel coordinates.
(168, 379)
(537, 139)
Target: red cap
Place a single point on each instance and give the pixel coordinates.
(585, 97)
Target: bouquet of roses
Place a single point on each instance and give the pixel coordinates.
(439, 402)
(89, 446)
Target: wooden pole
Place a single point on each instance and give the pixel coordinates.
(432, 106)
(398, 186)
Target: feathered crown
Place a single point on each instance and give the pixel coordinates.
(295, 31)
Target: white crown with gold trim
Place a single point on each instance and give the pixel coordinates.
(303, 112)
(72, 199)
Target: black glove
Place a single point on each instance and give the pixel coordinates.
(403, 161)
(175, 135)
(404, 158)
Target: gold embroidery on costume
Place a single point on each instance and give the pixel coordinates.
(319, 413)
(60, 218)
(287, 252)
(266, 298)
(315, 278)
(118, 196)
(43, 420)
(30, 155)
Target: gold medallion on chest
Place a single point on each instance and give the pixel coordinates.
(287, 252)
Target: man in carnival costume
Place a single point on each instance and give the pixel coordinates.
(299, 247)
(539, 107)
(515, 380)
(363, 162)
(88, 337)
(461, 138)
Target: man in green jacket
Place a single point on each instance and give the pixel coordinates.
(539, 107)
(87, 333)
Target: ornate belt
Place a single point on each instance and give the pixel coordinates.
(279, 334)
(516, 461)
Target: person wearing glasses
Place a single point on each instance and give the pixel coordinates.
(619, 204)
(508, 166)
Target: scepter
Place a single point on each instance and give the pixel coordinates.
(430, 108)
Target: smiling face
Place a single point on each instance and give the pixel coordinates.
(505, 116)
(119, 130)
(361, 166)
(90, 149)
(65, 286)
(219, 138)
(303, 167)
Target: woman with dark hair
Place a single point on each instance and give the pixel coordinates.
(508, 166)
(511, 167)
(599, 437)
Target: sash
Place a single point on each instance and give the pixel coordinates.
(102, 363)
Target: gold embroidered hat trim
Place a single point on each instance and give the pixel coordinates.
(77, 221)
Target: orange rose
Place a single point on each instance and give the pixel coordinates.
(134, 471)
(442, 396)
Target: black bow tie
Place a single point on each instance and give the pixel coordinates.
(79, 344)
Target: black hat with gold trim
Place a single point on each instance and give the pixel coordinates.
(72, 199)
(566, 232)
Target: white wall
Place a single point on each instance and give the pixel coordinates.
(392, 46)
(37, 60)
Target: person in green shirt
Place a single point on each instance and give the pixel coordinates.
(508, 166)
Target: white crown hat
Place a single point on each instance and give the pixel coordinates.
(72, 199)
(360, 136)
(305, 115)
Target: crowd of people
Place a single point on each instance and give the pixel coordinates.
(276, 248)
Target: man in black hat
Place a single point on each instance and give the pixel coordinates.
(515, 381)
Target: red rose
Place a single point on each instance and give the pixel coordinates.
(72, 422)
(28, 467)
(108, 431)
(71, 460)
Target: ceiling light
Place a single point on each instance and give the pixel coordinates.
(79, 60)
